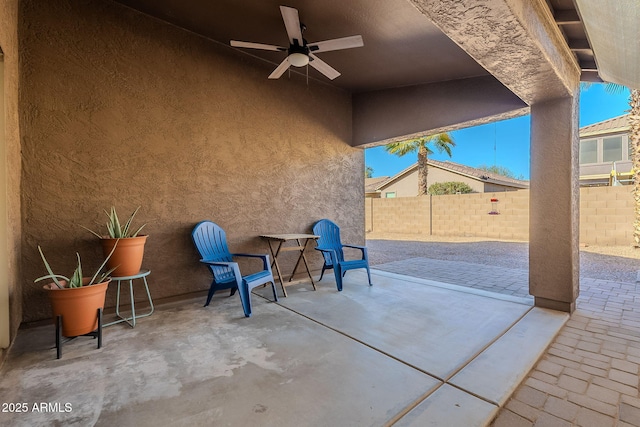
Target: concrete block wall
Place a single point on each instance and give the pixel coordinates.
(606, 215)
(468, 215)
(405, 215)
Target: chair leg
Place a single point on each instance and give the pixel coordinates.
(212, 289)
(58, 337)
(322, 272)
(99, 328)
(233, 291)
(275, 294)
(245, 298)
(338, 275)
(369, 276)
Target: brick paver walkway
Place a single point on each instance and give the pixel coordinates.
(511, 281)
(589, 374)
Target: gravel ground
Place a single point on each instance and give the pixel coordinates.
(614, 263)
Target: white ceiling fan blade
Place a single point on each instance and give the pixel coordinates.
(250, 45)
(323, 67)
(284, 66)
(336, 44)
(292, 24)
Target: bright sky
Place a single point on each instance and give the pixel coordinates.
(504, 143)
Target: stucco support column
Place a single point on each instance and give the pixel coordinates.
(554, 204)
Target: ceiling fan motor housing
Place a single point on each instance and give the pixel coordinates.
(298, 55)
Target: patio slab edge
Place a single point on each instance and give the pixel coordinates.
(496, 373)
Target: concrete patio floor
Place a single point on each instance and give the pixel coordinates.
(589, 374)
(407, 351)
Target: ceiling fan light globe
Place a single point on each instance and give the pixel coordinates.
(298, 59)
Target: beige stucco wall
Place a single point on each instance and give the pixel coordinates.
(405, 186)
(606, 216)
(441, 175)
(10, 169)
(119, 108)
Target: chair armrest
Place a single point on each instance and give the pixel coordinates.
(266, 265)
(354, 246)
(362, 248)
(232, 265)
(332, 253)
(218, 263)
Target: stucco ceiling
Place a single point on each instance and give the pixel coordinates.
(401, 46)
(613, 31)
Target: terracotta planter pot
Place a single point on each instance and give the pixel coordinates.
(77, 306)
(127, 256)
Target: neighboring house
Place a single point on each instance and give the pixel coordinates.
(405, 183)
(605, 155)
(371, 186)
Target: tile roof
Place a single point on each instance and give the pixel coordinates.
(371, 184)
(614, 125)
(478, 174)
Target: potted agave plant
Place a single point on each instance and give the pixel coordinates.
(127, 258)
(77, 298)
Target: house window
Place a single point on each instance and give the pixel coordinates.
(589, 151)
(390, 194)
(612, 149)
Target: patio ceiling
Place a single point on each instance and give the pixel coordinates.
(573, 29)
(402, 47)
(614, 33)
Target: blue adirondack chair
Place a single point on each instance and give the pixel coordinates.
(211, 242)
(331, 247)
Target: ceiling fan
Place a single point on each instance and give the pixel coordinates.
(299, 52)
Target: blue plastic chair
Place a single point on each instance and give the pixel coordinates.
(331, 247)
(211, 242)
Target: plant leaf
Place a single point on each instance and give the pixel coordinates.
(49, 270)
(125, 230)
(138, 231)
(103, 264)
(76, 278)
(50, 277)
(92, 232)
(116, 223)
(106, 274)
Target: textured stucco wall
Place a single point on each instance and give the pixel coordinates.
(517, 41)
(388, 115)
(554, 257)
(11, 162)
(123, 109)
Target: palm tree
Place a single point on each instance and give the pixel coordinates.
(368, 172)
(442, 142)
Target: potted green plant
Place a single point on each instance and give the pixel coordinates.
(127, 259)
(76, 298)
